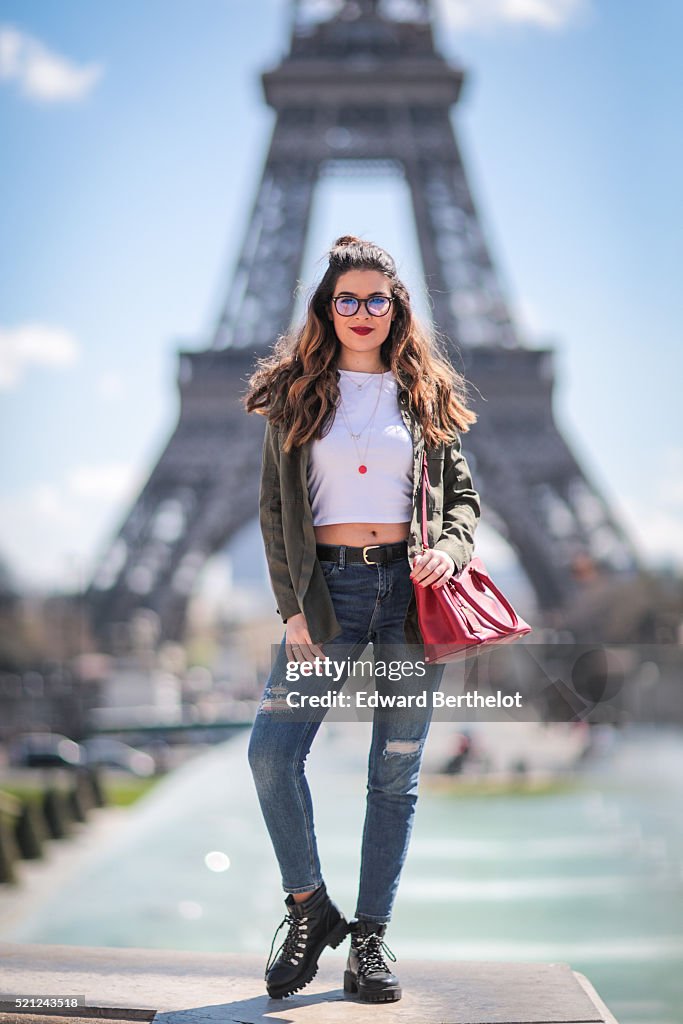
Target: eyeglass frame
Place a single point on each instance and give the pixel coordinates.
(363, 302)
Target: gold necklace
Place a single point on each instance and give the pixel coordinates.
(362, 466)
(365, 382)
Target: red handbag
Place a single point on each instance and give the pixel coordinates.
(466, 613)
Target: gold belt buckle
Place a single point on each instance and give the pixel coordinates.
(369, 547)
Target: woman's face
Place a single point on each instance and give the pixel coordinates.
(362, 284)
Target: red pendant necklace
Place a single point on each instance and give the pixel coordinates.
(362, 466)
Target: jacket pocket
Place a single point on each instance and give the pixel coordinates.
(435, 465)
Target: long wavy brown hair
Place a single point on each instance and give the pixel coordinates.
(296, 385)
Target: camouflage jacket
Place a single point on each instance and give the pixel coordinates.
(286, 520)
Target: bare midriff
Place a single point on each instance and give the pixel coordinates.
(357, 535)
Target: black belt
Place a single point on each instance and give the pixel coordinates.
(371, 554)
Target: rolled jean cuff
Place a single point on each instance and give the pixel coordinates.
(304, 888)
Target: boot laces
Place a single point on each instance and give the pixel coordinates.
(370, 957)
(294, 942)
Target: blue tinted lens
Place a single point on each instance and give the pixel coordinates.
(378, 305)
(346, 306)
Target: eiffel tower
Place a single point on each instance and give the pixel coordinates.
(361, 89)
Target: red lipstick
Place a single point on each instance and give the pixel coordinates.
(361, 330)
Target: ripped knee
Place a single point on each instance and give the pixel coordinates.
(397, 748)
(274, 699)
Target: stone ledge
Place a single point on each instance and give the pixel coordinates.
(176, 987)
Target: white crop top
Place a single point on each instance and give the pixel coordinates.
(338, 493)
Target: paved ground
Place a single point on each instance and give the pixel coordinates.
(216, 988)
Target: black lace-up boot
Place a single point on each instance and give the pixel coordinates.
(314, 923)
(366, 970)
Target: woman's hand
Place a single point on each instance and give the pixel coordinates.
(432, 567)
(298, 643)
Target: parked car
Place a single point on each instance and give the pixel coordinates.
(46, 750)
(111, 753)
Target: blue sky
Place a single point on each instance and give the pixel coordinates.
(133, 138)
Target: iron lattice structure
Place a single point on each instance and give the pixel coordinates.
(362, 88)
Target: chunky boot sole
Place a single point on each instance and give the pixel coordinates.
(390, 995)
(333, 939)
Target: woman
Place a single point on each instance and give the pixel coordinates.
(340, 513)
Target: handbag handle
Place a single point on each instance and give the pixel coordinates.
(425, 484)
(501, 598)
(482, 576)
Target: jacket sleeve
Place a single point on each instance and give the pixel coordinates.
(270, 518)
(461, 507)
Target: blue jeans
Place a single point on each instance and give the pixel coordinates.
(370, 603)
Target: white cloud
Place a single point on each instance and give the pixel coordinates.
(661, 544)
(33, 344)
(42, 74)
(528, 318)
(50, 527)
(109, 482)
(111, 385)
(671, 480)
(46, 500)
(551, 15)
(659, 534)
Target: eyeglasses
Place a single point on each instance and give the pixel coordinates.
(376, 305)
